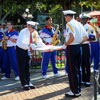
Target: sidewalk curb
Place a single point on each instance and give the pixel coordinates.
(49, 69)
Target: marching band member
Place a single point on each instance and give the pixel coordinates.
(73, 38)
(3, 29)
(94, 44)
(2, 54)
(27, 37)
(11, 59)
(47, 34)
(85, 54)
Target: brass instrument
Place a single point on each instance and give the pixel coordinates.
(96, 28)
(55, 40)
(4, 42)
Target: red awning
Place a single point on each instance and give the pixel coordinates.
(94, 13)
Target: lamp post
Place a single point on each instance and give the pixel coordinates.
(27, 11)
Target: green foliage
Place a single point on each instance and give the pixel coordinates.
(56, 13)
(45, 5)
(89, 3)
(52, 7)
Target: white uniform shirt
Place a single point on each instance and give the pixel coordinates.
(24, 39)
(74, 27)
(84, 33)
(46, 37)
(1, 35)
(10, 43)
(99, 33)
(89, 29)
(13, 34)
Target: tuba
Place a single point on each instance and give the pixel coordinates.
(55, 40)
(4, 42)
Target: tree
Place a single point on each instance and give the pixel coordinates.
(48, 6)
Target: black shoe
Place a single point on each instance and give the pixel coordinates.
(26, 87)
(32, 87)
(87, 84)
(83, 83)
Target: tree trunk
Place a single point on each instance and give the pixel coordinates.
(66, 6)
(2, 20)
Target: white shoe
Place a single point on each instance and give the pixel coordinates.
(4, 78)
(30, 84)
(66, 74)
(26, 85)
(57, 75)
(71, 94)
(45, 76)
(17, 78)
(96, 70)
(88, 83)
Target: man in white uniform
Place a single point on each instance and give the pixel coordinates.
(73, 37)
(27, 37)
(85, 53)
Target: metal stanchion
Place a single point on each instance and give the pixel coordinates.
(95, 86)
(99, 81)
(99, 66)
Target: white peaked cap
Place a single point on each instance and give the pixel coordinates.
(84, 15)
(69, 12)
(32, 24)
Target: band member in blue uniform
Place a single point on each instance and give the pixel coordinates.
(85, 54)
(2, 55)
(94, 44)
(11, 59)
(73, 38)
(47, 34)
(3, 28)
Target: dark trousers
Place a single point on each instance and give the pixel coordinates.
(85, 63)
(73, 66)
(23, 65)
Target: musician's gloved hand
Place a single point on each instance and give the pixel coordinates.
(33, 46)
(64, 47)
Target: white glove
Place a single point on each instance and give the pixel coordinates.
(33, 46)
(64, 47)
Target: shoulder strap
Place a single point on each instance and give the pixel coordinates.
(93, 29)
(88, 29)
(35, 37)
(70, 27)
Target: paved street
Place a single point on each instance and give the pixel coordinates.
(51, 89)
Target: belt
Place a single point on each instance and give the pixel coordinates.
(48, 43)
(10, 46)
(94, 41)
(46, 37)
